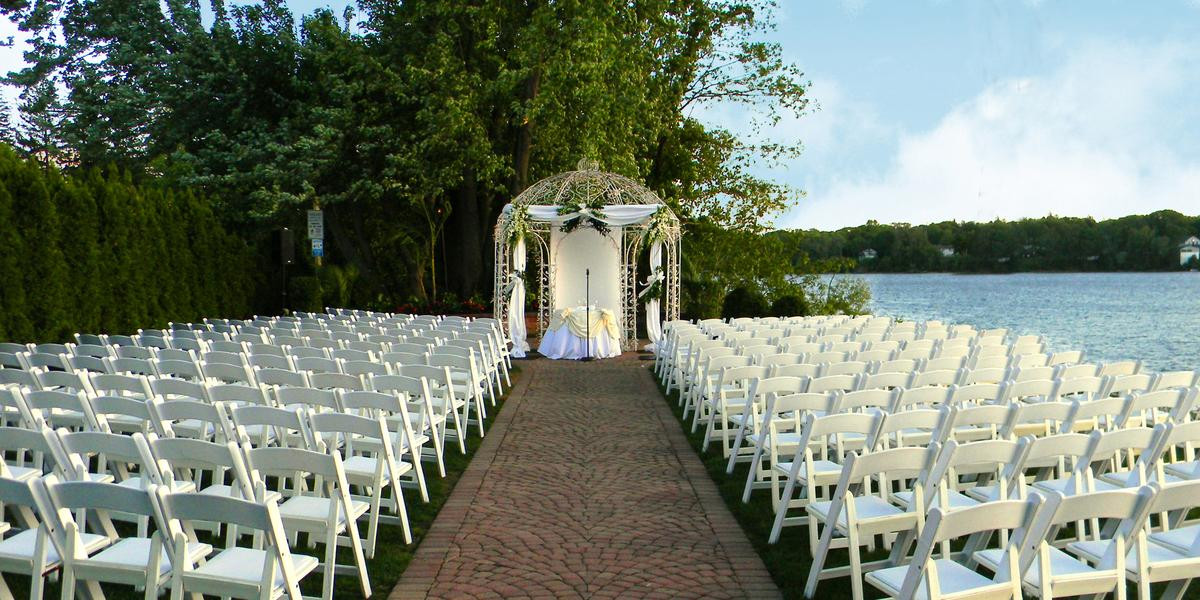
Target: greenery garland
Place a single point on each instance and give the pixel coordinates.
(594, 217)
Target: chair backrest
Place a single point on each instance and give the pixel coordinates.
(945, 378)
(224, 373)
(275, 426)
(317, 365)
(942, 525)
(183, 369)
(1029, 390)
(829, 383)
(918, 427)
(280, 377)
(976, 394)
(239, 394)
(179, 418)
(1081, 387)
(62, 409)
(1175, 379)
(302, 396)
(336, 381)
(1120, 368)
(1173, 405)
(131, 386)
(132, 366)
(269, 361)
(995, 375)
(175, 389)
(927, 397)
(177, 459)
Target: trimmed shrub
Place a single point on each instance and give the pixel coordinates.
(790, 306)
(744, 302)
(94, 252)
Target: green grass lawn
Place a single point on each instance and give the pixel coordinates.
(391, 554)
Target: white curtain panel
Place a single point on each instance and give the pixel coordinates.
(516, 303)
(617, 215)
(653, 319)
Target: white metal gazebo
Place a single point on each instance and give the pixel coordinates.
(622, 210)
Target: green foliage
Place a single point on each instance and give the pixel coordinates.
(305, 293)
(789, 306)
(96, 252)
(1134, 243)
(744, 302)
(429, 114)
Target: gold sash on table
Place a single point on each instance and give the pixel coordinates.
(576, 321)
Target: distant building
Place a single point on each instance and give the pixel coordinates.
(947, 251)
(868, 254)
(1189, 250)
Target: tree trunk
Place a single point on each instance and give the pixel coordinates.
(524, 142)
(465, 234)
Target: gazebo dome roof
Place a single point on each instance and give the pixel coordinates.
(585, 185)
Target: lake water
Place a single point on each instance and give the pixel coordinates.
(1154, 317)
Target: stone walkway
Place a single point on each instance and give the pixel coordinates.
(585, 487)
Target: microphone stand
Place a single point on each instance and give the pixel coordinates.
(587, 313)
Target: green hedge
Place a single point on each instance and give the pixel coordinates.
(95, 252)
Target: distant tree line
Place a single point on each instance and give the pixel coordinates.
(96, 252)
(1134, 243)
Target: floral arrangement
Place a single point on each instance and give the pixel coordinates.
(517, 226)
(591, 213)
(659, 225)
(654, 288)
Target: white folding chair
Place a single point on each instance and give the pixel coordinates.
(264, 571)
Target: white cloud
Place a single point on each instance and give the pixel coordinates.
(1109, 133)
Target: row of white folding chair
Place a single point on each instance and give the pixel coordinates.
(174, 556)
(1056, 413)
(1033, 556)
(116, 402)
(374, 457)
(795, 426)
(1096, 564)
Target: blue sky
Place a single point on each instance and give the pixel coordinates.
(934, 110)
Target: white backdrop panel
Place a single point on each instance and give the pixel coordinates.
(583, 249)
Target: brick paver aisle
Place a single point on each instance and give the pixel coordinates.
(585, 488)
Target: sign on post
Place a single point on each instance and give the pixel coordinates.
(318, 248)
(316, 225)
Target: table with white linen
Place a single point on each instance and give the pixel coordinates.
(567, 336)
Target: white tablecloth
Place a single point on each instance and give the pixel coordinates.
(561, 340)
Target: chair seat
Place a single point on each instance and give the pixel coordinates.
(24, 473)
(361, 467)
(134, 553)
(820, 467)
(1066, 486)
(243, 566)
(866, 507)
(20, 547)
(953, 578)
(177, 486)
(1185, 470)
(315, 509)
(227, 491)
(1180, 539)
(1061, 565)
(956, 499)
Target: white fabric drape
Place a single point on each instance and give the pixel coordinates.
(653, 320)
(617, 215)
(516, 303)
